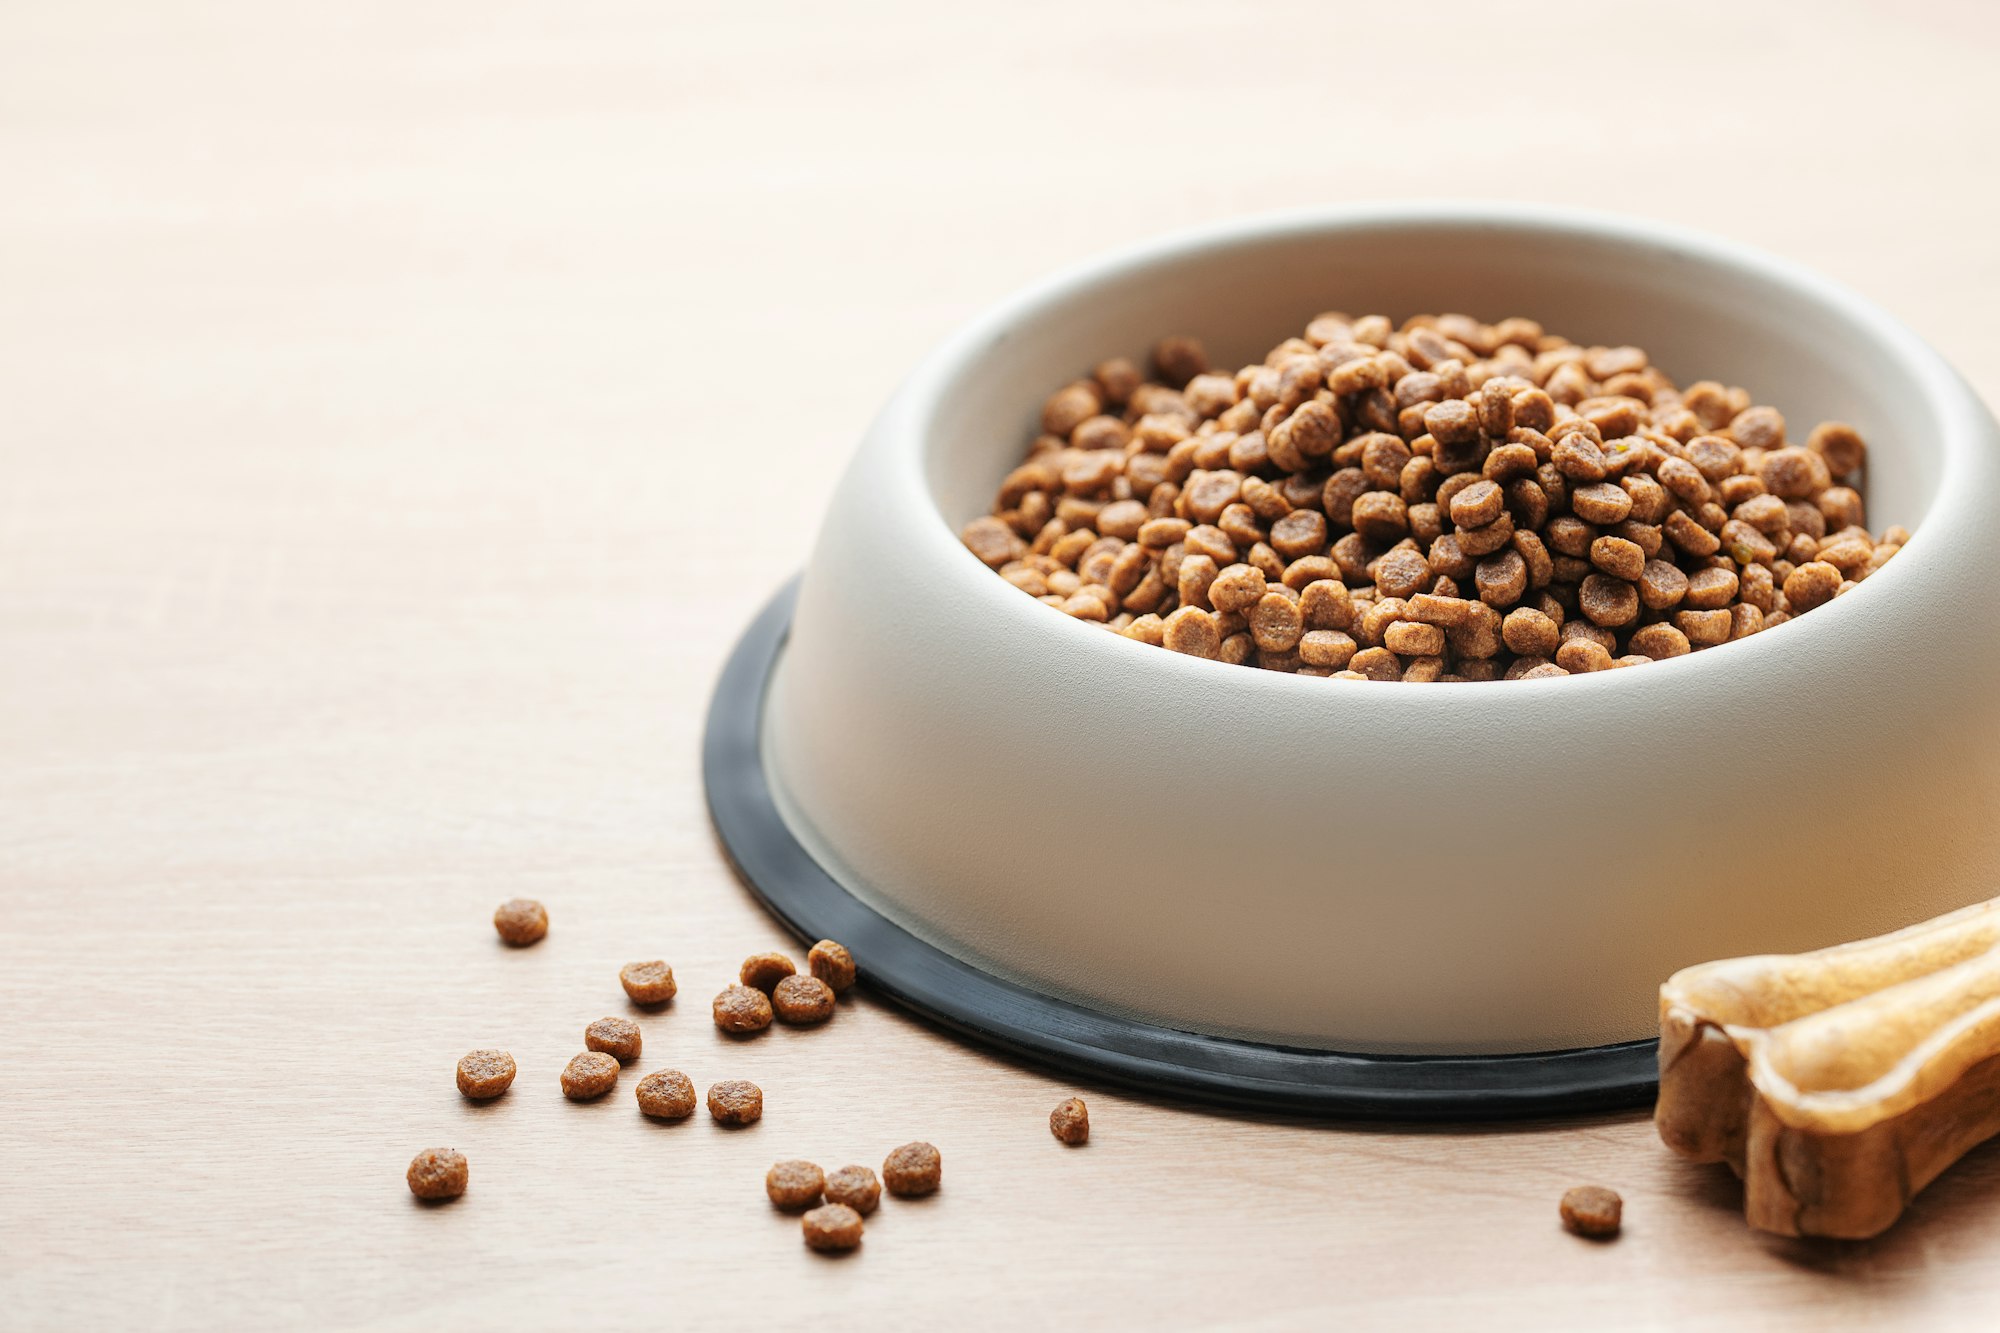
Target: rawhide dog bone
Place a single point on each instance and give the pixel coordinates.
(1839, 1083)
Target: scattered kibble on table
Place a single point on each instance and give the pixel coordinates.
(913, 1170)
(831, 1228)
(648, 983)
(802, 1000)
(485, 1074)
(1593, 1211)
(855, 1186)
(618, 1038)
(831, 963)
(667, 1094)
(521, 921)
(438, 1173)
(763, 971)
(589, 1075)
(736, 1102)
(1070, 1121)
(742, 1009)
(794, 1185)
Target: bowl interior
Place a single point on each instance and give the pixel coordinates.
(1701, 309)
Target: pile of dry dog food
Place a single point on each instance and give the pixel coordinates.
(769, 986)
(1448, 500)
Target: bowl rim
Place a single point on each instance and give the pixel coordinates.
(902, 431)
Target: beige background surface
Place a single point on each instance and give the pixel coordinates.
(401, 409)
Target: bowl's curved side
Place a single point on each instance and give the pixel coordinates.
(1511, 866)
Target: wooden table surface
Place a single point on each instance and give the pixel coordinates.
(402, 407)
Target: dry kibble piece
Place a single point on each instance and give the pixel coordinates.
(1477, 505)
(485, 1074)
(1593, 1211)
(1192, 631)
(992, 541)
(736, 1101)
(648, 983)
(1657, 642)
(521, 921)
(1530, 633)
(589, 1075)
(832, 1228)
(667, 1094)
(618, 1038)
(1412, 638)
(742, 1009)
(1794, 474)
(1840, 445)
(1275, 623)
(1601, 502)
(855, 1186)
(1179, 359)
(1607, 601)
(802, 1000)
(437, 1173)
(1070, 1121)
(1810, 585)
(832, 963)
(794, 1185)
(765, 970)
(1236, 588)
(1069, 407)
(1327, 648)
(913, 1170)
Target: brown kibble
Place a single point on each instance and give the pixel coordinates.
(855, 1186)
(589, 1075)
(1600, 502)
(1607, 601)
(1191, 630)
(667, 1094)
(802, 1000)
(1411, 638)
(437, 1173)
(1179, 359)
(736, 1101)
(521, 921)
(831, 963)
(1810, 585)
(1618, 557)
(618, 1038)
(794, 1185)
(742, 1009)
(1477, 505)
(992, 541)
(765, 970)
(1326, 648)
(1276, 623)
(832, 1228)
(1323, 510)
(648, 983)
(913, 1170)
(1658, 642)
(485, 1074)
(1758, 428)
(1839, 444)
(1794, 474)
(1070, 1121)
(1593, 1212)
(1530, 633)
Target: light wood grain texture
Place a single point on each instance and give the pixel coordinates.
(401, 409)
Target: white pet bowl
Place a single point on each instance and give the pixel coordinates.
(1471, 869)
